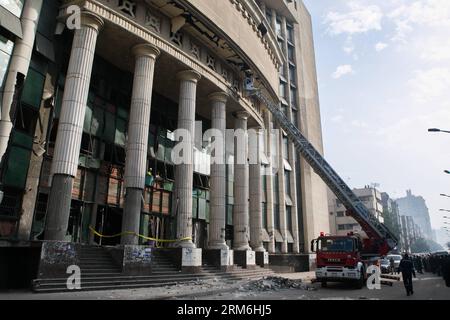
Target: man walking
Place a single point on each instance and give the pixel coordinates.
(407, 269)
(392, 265)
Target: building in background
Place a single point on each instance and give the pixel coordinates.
(391, 216)
(442, 237)
(411, 232)
(341, 224)
(415, 206)
(94, 115)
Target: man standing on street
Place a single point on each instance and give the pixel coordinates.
(407, 269)
(392, 265)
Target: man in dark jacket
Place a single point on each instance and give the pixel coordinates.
(407, 269)
(446, 270)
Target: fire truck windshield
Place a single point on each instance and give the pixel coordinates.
(335, 245)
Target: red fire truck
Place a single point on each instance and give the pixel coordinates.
(346, 258)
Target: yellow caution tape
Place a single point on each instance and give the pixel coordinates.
(130, 233)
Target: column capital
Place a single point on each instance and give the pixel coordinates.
(258, 129)
(89, 19)
(242, 115)
(146, 49)
(219, 97)
(189, 75)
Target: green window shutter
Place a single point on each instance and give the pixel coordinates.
(207, 211)
(22, 140)
(195, 208)
(88, 118)
(32, 91)
(98, 122)
(122, 113)
(168, 186)
(110, 127)
(17, 167)
(121, 129)
(202, 209)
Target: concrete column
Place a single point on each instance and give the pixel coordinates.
(217, 222)
(256, 221)
(282, 196)
(294, 177)
(19, 64)
(137, 144)
(70, 130)
(184, 173)
(241, 184)
(270, 177)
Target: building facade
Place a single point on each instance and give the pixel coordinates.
(341, 224)
(391, 217)
(410, 232)
(415, 206)
(108, 83)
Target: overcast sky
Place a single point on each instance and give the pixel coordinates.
(384, 79)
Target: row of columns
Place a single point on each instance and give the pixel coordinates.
(247, 222)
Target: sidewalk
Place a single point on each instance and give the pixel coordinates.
(197, 288)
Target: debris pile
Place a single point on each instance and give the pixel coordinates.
(275, 284)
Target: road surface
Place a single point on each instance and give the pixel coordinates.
(426, 287)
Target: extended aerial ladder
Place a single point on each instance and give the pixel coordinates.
(355, 208)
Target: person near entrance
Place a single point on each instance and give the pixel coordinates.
(407, 269)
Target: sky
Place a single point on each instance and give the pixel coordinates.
(384, 79)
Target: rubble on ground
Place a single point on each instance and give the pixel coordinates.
(275, 284)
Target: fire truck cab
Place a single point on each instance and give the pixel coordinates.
(340, 258)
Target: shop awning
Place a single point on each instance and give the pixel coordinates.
(45, 47)
(10, 22)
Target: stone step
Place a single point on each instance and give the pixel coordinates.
(96, 259)
(101, 270)
(94, 262)
(174, 275)
(89, 277)
(116, 283)
(95, 255)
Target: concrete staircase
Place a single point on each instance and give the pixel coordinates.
(99, 272)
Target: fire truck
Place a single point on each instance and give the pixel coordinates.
(338, 257)
(346, 258)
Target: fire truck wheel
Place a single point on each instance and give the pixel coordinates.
(324, 284)
(361, 281)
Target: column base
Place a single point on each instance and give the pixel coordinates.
(56, 257)
(245, 259)
(223, 259)
(137, 260)
(191, 260)
(262, 259)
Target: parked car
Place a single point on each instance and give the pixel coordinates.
(385, 266)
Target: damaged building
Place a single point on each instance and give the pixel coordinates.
(92, 94)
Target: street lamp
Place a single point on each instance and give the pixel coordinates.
(438, 130)
(444, 210)
(447, 171)
(444, 195)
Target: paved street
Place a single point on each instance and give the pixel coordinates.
(426, 287)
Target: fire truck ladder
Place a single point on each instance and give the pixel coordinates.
(355, 208)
